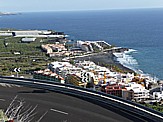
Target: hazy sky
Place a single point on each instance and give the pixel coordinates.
(68, 5)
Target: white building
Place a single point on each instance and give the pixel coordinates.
(5, 33)
(90, 46)
(140, 93)
(158, 95)
(49, 48)
(54, 65)
(28, 39)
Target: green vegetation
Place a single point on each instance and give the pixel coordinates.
(156, 107)
(72, 62)
(27, 56)
(2, 116)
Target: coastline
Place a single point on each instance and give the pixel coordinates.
(108, 59)
(104, 58)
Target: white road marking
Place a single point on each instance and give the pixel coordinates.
(59, 111)
(2, 100)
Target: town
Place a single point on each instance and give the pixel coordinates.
(55, 58)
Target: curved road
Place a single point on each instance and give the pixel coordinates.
(60, 107)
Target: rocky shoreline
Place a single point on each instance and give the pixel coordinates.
(105, 58)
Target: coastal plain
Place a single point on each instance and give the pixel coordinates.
(30, 57)
(49, 55)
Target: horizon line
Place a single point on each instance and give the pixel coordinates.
(78, 10)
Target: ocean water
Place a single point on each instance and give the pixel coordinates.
(138, 29)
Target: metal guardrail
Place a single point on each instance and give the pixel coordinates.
(88, 94)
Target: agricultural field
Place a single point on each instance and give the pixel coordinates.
(27, 56)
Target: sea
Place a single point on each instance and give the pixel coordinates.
(140, 30)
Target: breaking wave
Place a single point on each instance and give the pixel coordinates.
(126, 59)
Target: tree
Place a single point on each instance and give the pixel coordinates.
(72, 62)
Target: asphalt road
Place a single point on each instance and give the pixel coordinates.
(59, 107)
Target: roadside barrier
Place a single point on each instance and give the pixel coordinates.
(94, 96)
